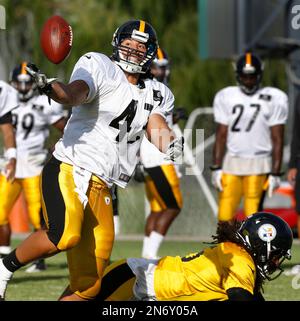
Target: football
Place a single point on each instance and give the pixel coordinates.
(56, 39)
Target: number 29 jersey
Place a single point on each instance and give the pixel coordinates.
(249, 118)
(104, 134)
(31, 120)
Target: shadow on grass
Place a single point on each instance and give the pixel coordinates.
(36, 278)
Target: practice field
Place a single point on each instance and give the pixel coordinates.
(49, 284)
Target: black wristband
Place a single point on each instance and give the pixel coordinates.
(47, 89)
(215, 167)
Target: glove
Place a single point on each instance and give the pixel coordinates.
(216, 179)
(43, 83)
(139, 175)
(273, 183)
(175, 149)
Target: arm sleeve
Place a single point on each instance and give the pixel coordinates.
(279, 113)
(6, 119)
(165, 108)
(295, 144)
(87, 69)
(239, 294)
(220, 111)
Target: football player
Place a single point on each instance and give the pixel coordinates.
(31, 120)
(161, 180)
(250, 124)
(234, 268)
(112, 107)
(8, 101)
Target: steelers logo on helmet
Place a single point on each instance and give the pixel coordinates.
(249, 70)
(130, 59)
(22, 82)
(267, 232)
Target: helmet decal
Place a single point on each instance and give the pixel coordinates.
(267, 232)
(142, 26)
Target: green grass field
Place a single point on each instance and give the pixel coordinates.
(49, 284)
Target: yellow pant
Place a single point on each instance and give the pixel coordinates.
(87, 233)
(117, 283)
(163, 188)
(9, 193)
(234, 187)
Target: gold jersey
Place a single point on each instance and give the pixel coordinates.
(205, 275)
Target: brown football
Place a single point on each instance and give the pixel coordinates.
(56, 39)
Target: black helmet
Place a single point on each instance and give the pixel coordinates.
(138, 30)
(21, 80)
(160, 67)
(249, 65)
(268, 238)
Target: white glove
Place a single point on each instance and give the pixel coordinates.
(175, 149)
(40, 79)
(216, 179)
(273, 183)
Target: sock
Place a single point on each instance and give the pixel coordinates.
(145, 246)
(155, 240)
(117, 224)
(11, 262)
(5, 276)
(5, 250)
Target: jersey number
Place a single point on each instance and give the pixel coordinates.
(27, 123)
(126, 118)
(239, 109)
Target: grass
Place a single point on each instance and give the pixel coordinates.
(49, 284)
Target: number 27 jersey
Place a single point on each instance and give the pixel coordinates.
(104, 134)
(249, 118)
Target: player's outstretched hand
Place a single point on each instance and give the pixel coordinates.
(43, 83)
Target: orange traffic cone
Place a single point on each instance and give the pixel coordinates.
(18, 217)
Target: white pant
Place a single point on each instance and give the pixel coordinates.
(144, 271)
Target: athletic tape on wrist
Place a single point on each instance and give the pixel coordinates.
(10, 153)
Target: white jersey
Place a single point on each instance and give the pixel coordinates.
(31, 121)
(249, 118)
(8, 98)
(103, 135)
